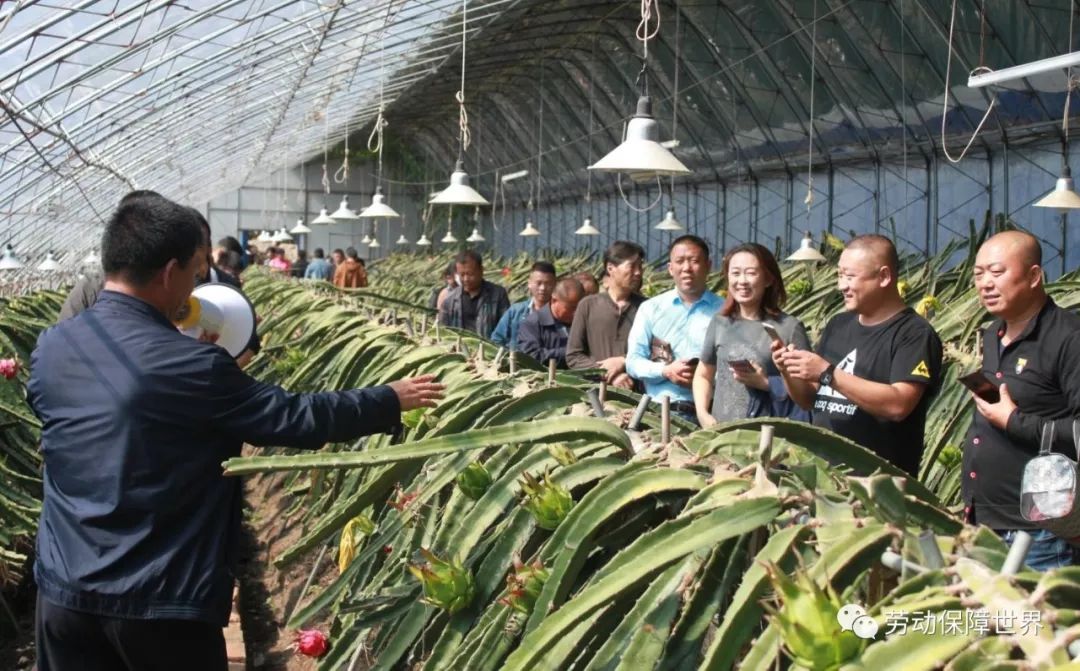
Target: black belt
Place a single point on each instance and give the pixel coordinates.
(685, 407)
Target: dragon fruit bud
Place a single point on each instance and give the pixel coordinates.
(311, 642)
(808, 624)
(447, 584)
(548, 502)
(474, 480)
(9, 368)
(523, 586)
(561, 453)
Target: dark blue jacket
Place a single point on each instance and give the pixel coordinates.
(543, 337)
(138, 520)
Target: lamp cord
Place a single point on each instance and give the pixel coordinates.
(588, 173)
(326, 151)
(1070, 81)
(675, 92)
(342, 174)
(375, 140)
(809, 199)
(945, 103)
(463, 116)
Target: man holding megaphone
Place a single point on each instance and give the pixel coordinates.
(139, 528)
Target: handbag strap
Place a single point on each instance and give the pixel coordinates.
(1047, 443)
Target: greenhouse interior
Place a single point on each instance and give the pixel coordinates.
(483, 335)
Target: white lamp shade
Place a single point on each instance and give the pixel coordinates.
(1063, 197)
(91, 259)
(374, 243)
(423, 241)
(475, 236)
(8, 260)
(529, 231)
(343, 213)
(300, 228)
(587, 228)
(265, 236)
(323, 218)
(669, 223)
(640, 155)
(366, 240)
(402, 240)
(459, 192)
(807, 251)
(378, 208)
(448, 238)
(282, 236)
(50, 263)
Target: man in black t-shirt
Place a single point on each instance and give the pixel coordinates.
(877, 366)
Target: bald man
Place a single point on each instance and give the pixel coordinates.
(876, 366)
(544, 333)
(1032, 351)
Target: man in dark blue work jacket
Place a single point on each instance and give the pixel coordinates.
(139, 526)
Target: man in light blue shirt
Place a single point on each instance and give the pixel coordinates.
(669, 329)
(541, 284)
(319, 268)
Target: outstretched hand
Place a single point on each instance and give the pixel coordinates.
(418, 392)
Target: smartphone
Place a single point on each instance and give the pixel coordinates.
(693, 362)
(773, 333)
(982, 386)
(740, 364)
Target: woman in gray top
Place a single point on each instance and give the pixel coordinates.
(736, 377)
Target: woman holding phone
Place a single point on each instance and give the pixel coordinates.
(735, 377)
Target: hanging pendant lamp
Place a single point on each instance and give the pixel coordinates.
(283, 236)
(50, 263)
(423, 241)
(344, 213)
(323, 218)
(1064, 196)
(402, 240)
(529, 231)
(366, 240)
(459, 192)
(587, 228)
(669, 223)
(475, 236)
(640, 155)
(448, 238)
(300, 228)
(8, 260)
(807, 251)
(265, 236)
(378, 207)
(91, 259)
(373, 244)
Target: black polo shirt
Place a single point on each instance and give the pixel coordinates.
(1041, 369)
(470, 309)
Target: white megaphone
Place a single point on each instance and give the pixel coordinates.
(221, 309)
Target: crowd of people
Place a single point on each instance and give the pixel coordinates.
(870, 377)
(137, 544)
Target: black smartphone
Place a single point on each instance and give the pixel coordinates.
(740, 364)
(693, 362)
(773, 333)
(982, 386)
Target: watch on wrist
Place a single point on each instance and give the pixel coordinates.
(826, 378)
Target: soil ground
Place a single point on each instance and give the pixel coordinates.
(266, 595)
